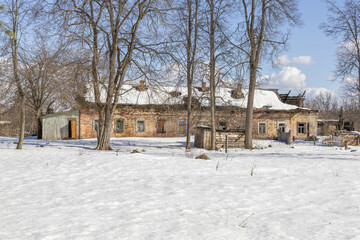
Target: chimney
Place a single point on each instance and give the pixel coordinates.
(142, 86)
(237, 93)
(300, 100)
(203, 87)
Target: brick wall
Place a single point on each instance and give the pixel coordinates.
(233, 117)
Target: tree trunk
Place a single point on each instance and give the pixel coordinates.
(39, 124)
(250, 108)
(358, 83)
(14, 56)
(104, 131)
(189, 116)
(190, 64)
(212, 76)
(22, 125)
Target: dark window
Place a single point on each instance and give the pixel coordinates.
(140, 126)
(182, 125)
(262, 128)
(161, 126)
(281, 127)
(118, 125)
(96, 125)
(301, 128)
(222, 125)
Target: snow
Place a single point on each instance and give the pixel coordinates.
(65, 190)
(160, 95)
(328, 120)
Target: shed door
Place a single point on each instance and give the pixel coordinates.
(72, 128)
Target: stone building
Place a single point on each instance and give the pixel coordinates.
(155, 111)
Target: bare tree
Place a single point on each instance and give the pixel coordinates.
(260, 34)
(215, 28)
(191, 47)
(183, 47)
(45, 71)
(110, 31)
(344, 23)
(212, 72)
(326, 104)
(16, 20)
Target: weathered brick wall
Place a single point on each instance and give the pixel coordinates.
(271, 119)
(351, 138)
(234, 118)
(130, 115)
(86, 117)
(308, 117)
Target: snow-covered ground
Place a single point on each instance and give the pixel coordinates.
(65, 190)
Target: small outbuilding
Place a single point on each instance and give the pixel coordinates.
(233, 138)
(63, 125)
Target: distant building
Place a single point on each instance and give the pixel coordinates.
(160, 111)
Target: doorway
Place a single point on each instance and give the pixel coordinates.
(72, 128)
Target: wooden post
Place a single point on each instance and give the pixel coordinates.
(288, 138)
(346, 145)
(226, 143)
(314, 141)
(278, 135)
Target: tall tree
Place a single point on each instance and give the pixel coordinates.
(215, 27)
(191, 48)
(183, 46)
(344, 23)
(212, 72)
(16, 20)
(110, 30)
(45, 73)
(260, 34)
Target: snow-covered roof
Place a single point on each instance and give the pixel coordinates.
(328, 120)
(159, 95)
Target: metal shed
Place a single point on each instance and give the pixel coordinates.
(63, 125)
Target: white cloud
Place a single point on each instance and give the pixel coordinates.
(301, 60)
(350, 80)
(313, 92)
(331, 78)
(289, 78)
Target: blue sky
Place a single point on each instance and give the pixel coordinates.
(308, 40)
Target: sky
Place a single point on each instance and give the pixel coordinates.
(310, 58)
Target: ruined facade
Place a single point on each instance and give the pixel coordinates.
(166, 117)
(165, 121)
(293, 100)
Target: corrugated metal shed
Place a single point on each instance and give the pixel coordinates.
(63, 125)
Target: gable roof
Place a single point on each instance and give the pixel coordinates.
(160, 95)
